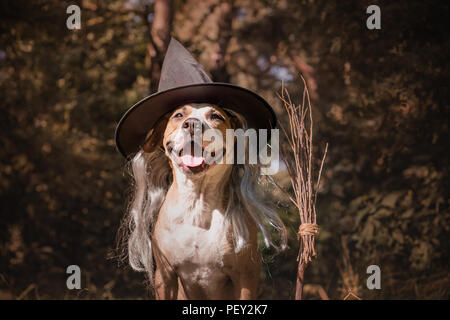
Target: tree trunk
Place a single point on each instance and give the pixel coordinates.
(159, 37)
(219, 71)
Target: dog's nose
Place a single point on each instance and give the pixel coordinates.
(192, 125)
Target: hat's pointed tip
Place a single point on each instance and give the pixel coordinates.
(173, 43)
(172, 40)
(180, 68)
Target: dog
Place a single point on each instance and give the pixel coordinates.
(193, 220)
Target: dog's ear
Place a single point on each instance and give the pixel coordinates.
(237, 121)
(155, 137)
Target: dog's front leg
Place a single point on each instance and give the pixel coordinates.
(246, 286)
(166, 280)
(166, 284)
(245, 275)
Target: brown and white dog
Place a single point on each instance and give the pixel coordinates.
(197, 219)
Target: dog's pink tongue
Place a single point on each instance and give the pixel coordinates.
(192, 161)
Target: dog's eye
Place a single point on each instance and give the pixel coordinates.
(215, 116)
(178, 115)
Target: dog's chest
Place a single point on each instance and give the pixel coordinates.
(192, 239)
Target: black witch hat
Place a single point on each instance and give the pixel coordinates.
(183, 81)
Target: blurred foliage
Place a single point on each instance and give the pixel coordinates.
(379, 97)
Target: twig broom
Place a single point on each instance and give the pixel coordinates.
(300, 168)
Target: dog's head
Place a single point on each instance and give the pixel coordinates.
(193, 137)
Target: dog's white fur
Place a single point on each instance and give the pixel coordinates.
(201, 228)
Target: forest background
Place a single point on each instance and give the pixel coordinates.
(379, 98)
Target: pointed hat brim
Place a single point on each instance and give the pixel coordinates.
(140, 118)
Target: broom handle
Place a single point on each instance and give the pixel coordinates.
(299, 285)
